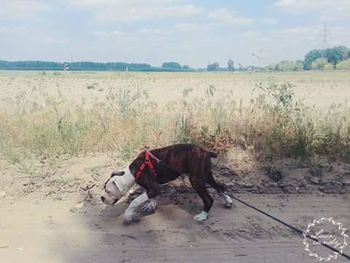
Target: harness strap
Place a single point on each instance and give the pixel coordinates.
(147, 163)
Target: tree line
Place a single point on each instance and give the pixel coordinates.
(317, 59)
(336, 58)
(90, 66)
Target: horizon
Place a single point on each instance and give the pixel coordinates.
(190, 32)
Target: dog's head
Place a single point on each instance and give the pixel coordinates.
(117, 186)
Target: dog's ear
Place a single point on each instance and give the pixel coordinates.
(117, 173)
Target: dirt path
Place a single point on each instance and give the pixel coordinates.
(33, 230)
(47, 217)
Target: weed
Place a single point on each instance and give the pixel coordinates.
(274, 125)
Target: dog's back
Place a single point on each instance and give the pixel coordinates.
(183, 157)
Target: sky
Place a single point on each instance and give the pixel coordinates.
(191, 32)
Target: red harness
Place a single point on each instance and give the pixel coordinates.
(147, 163)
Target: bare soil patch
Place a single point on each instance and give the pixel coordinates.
(57, 217)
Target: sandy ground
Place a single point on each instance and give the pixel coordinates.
(47, 231)
(52, 219)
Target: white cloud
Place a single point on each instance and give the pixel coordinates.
(153, 31)
(4, 30)
(136, 10)
(107, 33)
(22, 9)
(252, 34)
(13, 30)
(327, 9)
(115, 37)
(269, 21)
(150, 31)
(222, 16)
(287, 44)
(98, 33)
(191, 27)
(33, 35)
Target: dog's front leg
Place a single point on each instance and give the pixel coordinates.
(129, 214)
(152, 192)
(150, 206)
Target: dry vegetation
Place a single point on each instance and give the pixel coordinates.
(46, 116)
(61, 135)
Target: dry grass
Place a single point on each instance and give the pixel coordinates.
(43, 122)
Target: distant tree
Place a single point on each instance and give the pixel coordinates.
(186, 67)
(344, 65)
(213, 67)
(328, 66)
(332, 55)
(240, 67)
(286, 65)
(299, 65)
(230, 65)
(337, 54)
(171, 65)
(271, 67)
(319, 64)
(83, 65)
(311, 56)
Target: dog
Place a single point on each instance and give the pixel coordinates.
(153, 168)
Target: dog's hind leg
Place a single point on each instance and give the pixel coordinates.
(199, 186)
(221, 191)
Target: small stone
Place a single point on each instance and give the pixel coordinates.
(80, 205)
(346, 181)
(2, 194)
(332, 188)
(75, 208)
(314, 179)
(4, 245)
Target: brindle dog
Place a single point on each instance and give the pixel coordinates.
(175, 160)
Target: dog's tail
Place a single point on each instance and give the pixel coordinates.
(212, 154)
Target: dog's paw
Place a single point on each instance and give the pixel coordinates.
(228, 204)
(227, 200)
(202, 216)
(130, 218)
(149, 207)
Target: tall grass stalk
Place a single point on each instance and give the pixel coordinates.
(274, 125)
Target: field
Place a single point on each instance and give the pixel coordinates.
(283, 140)
(54, 113)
